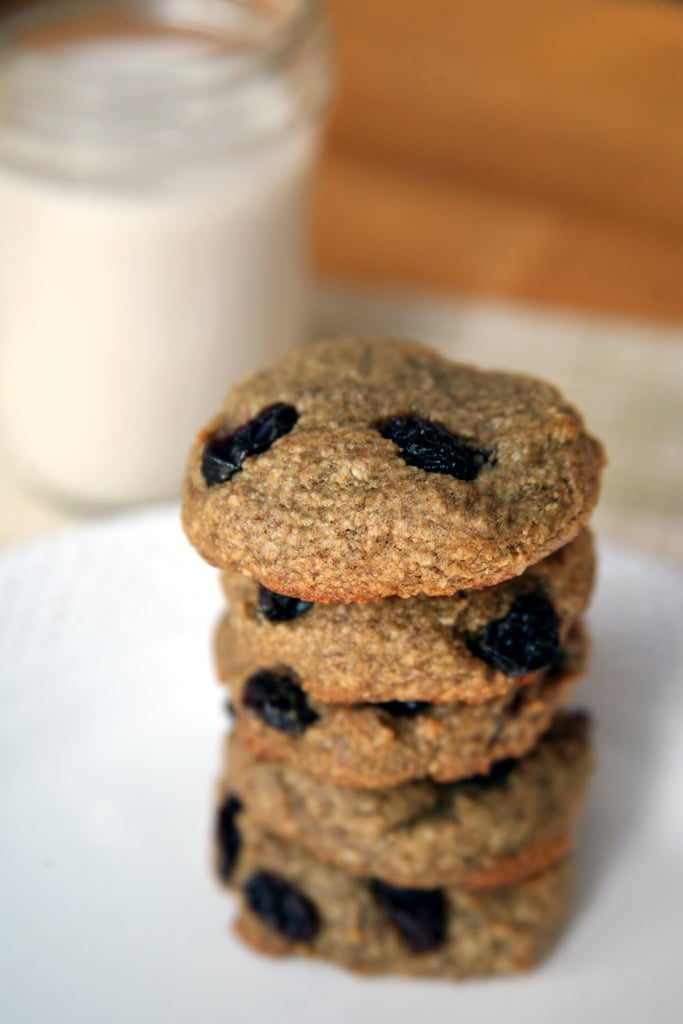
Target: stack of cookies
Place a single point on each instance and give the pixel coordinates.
(406, 561)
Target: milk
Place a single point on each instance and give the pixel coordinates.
(128, 306)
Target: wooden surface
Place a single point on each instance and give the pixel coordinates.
(530, 150)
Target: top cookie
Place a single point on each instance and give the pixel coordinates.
(357, 469)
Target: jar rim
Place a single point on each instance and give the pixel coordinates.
(200, 105)
(269, 51)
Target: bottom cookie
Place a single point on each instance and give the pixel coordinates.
(292, 903)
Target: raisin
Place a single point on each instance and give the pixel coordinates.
(282, 907)
(224, 453)
(404, 708)
(430, 446)
(279, 607)
(418, 914)
(228, 838)
(526, 640)
(279, 701)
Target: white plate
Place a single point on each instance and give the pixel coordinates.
(109, 738)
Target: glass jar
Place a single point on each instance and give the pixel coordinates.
(155, 162)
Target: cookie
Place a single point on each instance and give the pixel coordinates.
(358, 469)
(481, 833)
(373, 746)
(471, 646)
(293, 903)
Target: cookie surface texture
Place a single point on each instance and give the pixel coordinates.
(293, 903)
(376, 746)
(430, 649)
(480, 833)
(357, 469)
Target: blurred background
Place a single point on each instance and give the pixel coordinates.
(504, 182)
(530, 151)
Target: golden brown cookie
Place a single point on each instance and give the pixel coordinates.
(480, 833)
(293, 903)
(471, 646)
(373, 746)
(358, 469)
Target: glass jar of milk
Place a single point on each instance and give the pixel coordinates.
(155, 160)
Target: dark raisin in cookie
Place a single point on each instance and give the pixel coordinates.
(224, 453)
(277, 699)
(228, 838)
(281, 906)
(419, 915)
